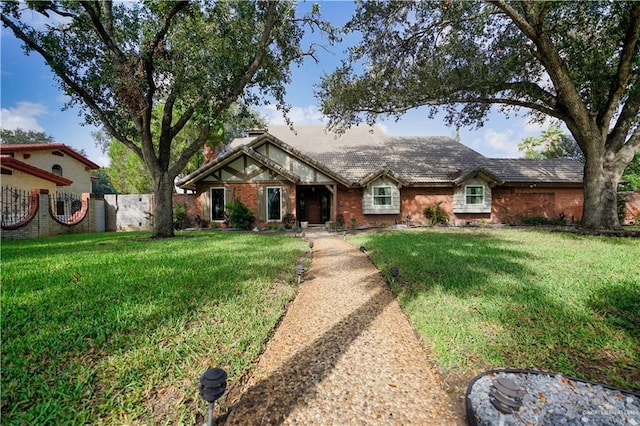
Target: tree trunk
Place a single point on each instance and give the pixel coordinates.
(600, 208)
(163, 214)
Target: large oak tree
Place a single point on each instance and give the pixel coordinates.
(577, 62)
(117, 61)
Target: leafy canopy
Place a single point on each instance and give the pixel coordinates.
(20, 136)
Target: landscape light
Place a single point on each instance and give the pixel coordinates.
(213, 383)
(299, 271)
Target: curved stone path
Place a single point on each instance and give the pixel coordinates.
(344, 353)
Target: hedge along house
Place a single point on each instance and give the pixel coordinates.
(365, 177)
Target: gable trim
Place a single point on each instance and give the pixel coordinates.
(8, 161)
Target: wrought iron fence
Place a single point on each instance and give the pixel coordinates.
(65, 206)
(15, 204)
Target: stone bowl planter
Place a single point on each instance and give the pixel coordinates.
(551, 399)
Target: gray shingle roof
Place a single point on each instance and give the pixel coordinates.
(364, 150)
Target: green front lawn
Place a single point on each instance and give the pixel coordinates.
(118, 328)
(488, 298)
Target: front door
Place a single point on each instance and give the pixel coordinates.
(313, 204)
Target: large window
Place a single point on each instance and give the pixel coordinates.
(474, 194)
(381, 195)
(217, 203)
(274, 203)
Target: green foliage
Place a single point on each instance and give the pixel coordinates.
(435, 215)
(97, 327)
(20, 136)
(552, 143)
(621, 202)
(240, 216)
(180, 219)
(289, 221)
(632, 175)
(530, 298)
(101, 185)
(544, 221)
(118, 60)
(126, 172)
(568, 61)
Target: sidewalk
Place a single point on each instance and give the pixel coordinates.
(344, 353)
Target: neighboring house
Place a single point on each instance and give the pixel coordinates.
(50, 166)
(365, 177)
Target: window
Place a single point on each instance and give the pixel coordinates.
(381, 195)
(474, 194)
(274, 203)
(56, 169)
(217, 203)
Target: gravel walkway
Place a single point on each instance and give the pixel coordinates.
(344, 353)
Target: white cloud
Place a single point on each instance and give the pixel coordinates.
(24, 116)
(497, 144)
(298, 115)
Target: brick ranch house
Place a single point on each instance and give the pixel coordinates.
(366, 177)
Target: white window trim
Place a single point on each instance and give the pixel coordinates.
(267, 203)
(482, 197)
(377, 197)
(224, 202)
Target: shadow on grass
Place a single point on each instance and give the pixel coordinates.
(520, 317)
(99, 318)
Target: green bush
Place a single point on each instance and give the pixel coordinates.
(289, 221)
(180, 220)
(541, 220)
(240, 216)
(435, 215)
(622, 207)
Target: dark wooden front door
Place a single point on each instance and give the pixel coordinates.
(313, 204)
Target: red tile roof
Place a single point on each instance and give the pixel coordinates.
(8, 161)
(30, 147)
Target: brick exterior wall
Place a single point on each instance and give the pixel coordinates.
(248, 194)
(43, 224)
(632, 208)
(510, 204)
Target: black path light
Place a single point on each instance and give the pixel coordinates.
(344, 235)
(299, 271)
(311, 248)
(506, 396)
(395, 271)
(213, 383)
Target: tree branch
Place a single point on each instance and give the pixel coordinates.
(63, 74)
(620, 81)
(628, 115)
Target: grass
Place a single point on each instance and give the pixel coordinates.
(117, 328)
(520, 299)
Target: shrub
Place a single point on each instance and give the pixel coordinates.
(435, 215)
(289, 221)
(541, 220)
(240, 216)
(180, 216)
(622, 207)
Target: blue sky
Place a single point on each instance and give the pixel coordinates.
(31, 100)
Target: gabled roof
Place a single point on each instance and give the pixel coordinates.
(475, 172)
(364, 153)
(363, 150)
(31, 147)
(8, 161)
(268, 138)
(190, 180)
(384, 171)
